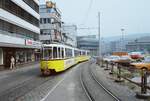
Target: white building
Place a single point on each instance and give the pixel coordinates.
(69, 32)
(19, 31)
(89, 42)
(50, 23)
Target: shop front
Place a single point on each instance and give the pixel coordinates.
(24, 51)
(23, 54)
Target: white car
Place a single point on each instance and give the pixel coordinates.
(111, 58)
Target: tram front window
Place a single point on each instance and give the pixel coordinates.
(48, 53)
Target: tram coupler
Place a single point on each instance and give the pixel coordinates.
(119, 79)
(143, 94)
(107, 68)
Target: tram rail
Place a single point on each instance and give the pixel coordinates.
(102, 86)
(87, 92)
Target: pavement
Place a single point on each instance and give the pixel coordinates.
(20, 69)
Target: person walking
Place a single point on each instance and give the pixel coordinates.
(12, 62)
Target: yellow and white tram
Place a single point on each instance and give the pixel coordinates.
(58, 57)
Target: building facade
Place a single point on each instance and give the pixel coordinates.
(69, 32)
(89, 42)
(50, 23)
(140, 44)
(19, 31)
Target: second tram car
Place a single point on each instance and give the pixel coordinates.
(58, 57)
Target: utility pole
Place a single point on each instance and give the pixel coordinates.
(99, 36)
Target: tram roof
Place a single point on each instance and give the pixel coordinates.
(63, 46)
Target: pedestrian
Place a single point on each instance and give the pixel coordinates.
(12, 62)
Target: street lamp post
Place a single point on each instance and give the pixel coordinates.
(122, 44)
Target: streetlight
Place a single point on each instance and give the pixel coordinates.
(122, 45)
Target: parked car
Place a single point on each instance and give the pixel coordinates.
(111, 58)
(144, 64)
(138, 56)
(124, 60)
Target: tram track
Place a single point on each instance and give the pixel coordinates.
(96, 82)
(85, 88)
(102, 86)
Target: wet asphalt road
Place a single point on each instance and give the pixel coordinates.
(29, 85)
(69, 88)
(17, 84)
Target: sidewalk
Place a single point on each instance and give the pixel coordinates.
(20, 68)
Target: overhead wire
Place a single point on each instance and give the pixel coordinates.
(87, 13)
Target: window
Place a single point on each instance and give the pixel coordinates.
(41, 20)
(49, 20)
(32, 4)
(68, 53)
(77, 53)
(17, 31)
(11, 7)
(44, 20)
(55, 52)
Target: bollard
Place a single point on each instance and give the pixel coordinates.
(102, 66)
(107, 68)
(143, 94)
(112, 68)
(143, 81)
(97, 61)
(119, 79)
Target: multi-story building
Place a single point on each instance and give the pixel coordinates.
(69, 32)
(50, 23)
(140, 44)
(19, 31)
(89, 42)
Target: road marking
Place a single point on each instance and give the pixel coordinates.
(53, 88)
(43, 99)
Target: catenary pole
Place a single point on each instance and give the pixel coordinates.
(99, 35)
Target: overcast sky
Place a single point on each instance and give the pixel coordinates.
(132, 15)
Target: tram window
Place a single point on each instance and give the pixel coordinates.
(59, 53)
(50, 53)
(68, 53)
(54, 52)
(83, 53)
(88, 53)
(62, 52)
(47, 53)
(77, 53)
(80, 53)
